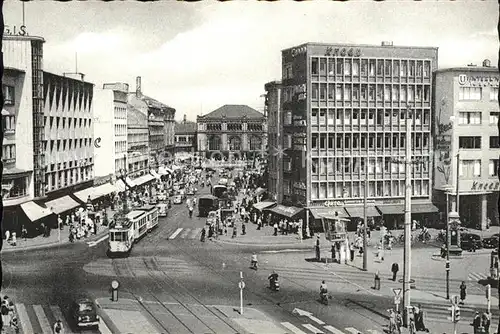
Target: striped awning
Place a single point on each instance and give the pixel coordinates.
(62, 204)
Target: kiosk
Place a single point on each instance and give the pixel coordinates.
(336, 232)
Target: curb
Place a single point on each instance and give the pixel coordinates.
(256, 244)
(50, 244)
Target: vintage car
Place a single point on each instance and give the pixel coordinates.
(84, 313)
(162, 209)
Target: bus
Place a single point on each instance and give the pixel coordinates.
(218, 190)
(151, 216)
(206, 204)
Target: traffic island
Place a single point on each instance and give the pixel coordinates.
(252, 320)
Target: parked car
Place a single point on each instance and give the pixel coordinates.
(178, 199)
(162, 209)
(491, 242)
(84, 313)
(470, 241)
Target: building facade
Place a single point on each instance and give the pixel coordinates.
(344, 124)
(161, 119)
(467, 147)
(69, 132)
(185, 137)
(274, 114)
(110, 129)
(137, 140)
(232, 131)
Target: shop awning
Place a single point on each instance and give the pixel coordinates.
(391, 209)
(130, 183)
(399, 209)
(103, 190)
(287, 211)
(163, 171)
(62, 204)
(83, 195)
(318, 213)
(35, 211)
(263, 205)
(120, 186)
(143, 179)
(155, 174)
(424, 208)
(259, 191)
(358, 211)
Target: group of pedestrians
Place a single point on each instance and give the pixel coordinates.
(9, 316)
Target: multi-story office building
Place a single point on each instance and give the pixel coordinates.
(235, 131)
(185, 137)
(274, 114)
(137, 140)
(160, 122)
(69, 142)
(344, 124)
(466, 142)
(110, 130)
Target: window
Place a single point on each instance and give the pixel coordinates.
(493, 167)
(469, 117)
(494, 93)
(314, 116)
(347, 67)
(494, 117)
(322, 91)
(9, 94)
(494, 142)
(470, 168)
(469, 142)
(322, 66)
(355, 68)
(315, 89)
(340, 67)
(331, 91)
(9, 123)
(470, 93)
(314, 66)
(347, 93)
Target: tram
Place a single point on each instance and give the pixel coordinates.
(151, 215)
(126, 231)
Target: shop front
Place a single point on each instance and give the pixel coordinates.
(260, 206)
(36, 215)
(288, 212)
(393, 212)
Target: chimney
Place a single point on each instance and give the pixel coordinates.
(486, 63)
(184, 120)
(138, 92)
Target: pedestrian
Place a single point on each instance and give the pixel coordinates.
(394, 269)
(59, 222)
(275, 226)
(318, 255)
(235, 231)
(259, 223)
(380, 253)
(333, 253)
(24, 233)
(14, 240)
(243, 229)
(351, 251)
(485, 322)
(377, 281)
(7, 235)
(463, 292)
(202, 237)
(419, 319)
(476, 323)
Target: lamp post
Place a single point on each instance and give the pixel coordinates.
(123, 176)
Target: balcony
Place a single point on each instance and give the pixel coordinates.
(9, 160)
(9, 131)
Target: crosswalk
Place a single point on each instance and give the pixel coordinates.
(476, 276)
(185, 233)
(326, 329)
(41, 319)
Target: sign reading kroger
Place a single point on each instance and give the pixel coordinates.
(342, 52)
(490, 185)
(476, 80)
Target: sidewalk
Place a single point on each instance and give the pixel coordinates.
(56, 238)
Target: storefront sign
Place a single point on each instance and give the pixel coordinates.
(298, 51)
(329, 204)
(475, 80)
(102, 180)
(342, 52)
(443, 142)
(15, 30)
(478, 185)
(392, 201)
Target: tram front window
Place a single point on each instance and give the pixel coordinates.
(118, 236)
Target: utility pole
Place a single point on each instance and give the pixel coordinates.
(365, 219)
(407, 230)
(457, 184)
(448, 242)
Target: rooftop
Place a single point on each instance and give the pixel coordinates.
(154, 103)
(136, 117)
(383, 45)
(233, 111)
(185, 127)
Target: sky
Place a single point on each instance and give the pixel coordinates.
(196, 57)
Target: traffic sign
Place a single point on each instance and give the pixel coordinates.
(397, 292)
(454, 300)
(241, 285)
(397, 300)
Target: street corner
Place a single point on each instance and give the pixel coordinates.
(251, 320)
(124, 316)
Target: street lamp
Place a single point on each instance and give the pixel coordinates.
(123, 177)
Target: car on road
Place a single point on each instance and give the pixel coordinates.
(178, 199)
(84, 313)
(190, 192)
(492, 241)
(470, 241)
